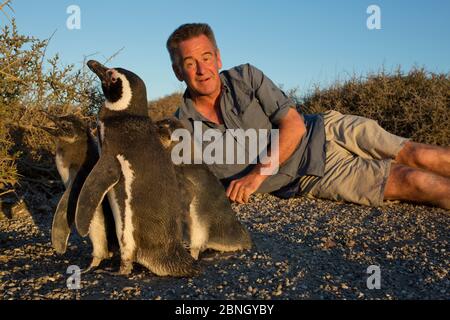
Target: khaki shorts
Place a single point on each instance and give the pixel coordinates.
(358, 160)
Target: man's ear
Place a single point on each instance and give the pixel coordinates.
(177, 72)
(219, 59)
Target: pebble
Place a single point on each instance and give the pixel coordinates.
(278, 291)
(280, 265)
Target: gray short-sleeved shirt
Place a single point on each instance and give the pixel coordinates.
(250, 100)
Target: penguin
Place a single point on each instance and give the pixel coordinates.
(75, 156)
(139, 179)
(212, 223)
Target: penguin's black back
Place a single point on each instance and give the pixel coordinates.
(155, 186)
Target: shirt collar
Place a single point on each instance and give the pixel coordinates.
(187, 109)
(224, 81)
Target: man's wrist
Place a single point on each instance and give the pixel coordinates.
(256, 173)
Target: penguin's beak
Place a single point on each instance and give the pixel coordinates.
(53, 118)
(51, 128)
(98, 69)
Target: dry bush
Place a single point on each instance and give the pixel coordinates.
(414, 105)
(30, 84)
(164, 107)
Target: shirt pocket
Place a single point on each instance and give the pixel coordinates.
(252, 116)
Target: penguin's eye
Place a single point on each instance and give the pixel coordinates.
(113, 79)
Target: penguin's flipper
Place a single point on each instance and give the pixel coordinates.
(65, 212)
(102, 178)
(61, 225)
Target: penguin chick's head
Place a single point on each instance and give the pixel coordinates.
(165, 129)
(122, 88)
(67, 128)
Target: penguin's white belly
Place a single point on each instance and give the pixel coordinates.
(97, 234)
(62, 170)
(116, 212)
(199, 231)
(128, 228)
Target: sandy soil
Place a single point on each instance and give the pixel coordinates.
(304, 249)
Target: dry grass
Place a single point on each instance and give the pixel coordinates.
(414, 104)
(164, 107)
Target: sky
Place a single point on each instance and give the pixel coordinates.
(297, 44)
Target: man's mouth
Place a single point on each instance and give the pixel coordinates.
(203, 80)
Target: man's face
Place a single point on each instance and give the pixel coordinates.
(198, 65)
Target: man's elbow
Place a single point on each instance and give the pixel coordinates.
(293, 123)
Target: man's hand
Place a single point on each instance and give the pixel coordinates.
(292, 128)
(240, 190)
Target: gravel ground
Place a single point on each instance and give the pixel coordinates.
(304, 249)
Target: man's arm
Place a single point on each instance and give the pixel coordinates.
(291, 130)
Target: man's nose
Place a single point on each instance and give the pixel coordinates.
(200, 67)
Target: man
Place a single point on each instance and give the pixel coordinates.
(330, 155)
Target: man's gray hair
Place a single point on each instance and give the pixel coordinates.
(185, 32)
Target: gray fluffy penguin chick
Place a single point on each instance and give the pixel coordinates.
(75, 156)
(137, 175)
(212, 222)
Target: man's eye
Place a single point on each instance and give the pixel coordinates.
(189, 64)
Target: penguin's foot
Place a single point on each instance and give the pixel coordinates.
(110, 273)
(94, 264)
(114, 273)
(195, 253)
(125, 267)
(211, 255)
(89, 269)
(176, 263)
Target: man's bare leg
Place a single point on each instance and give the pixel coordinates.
(427, 157)
(411, 184)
